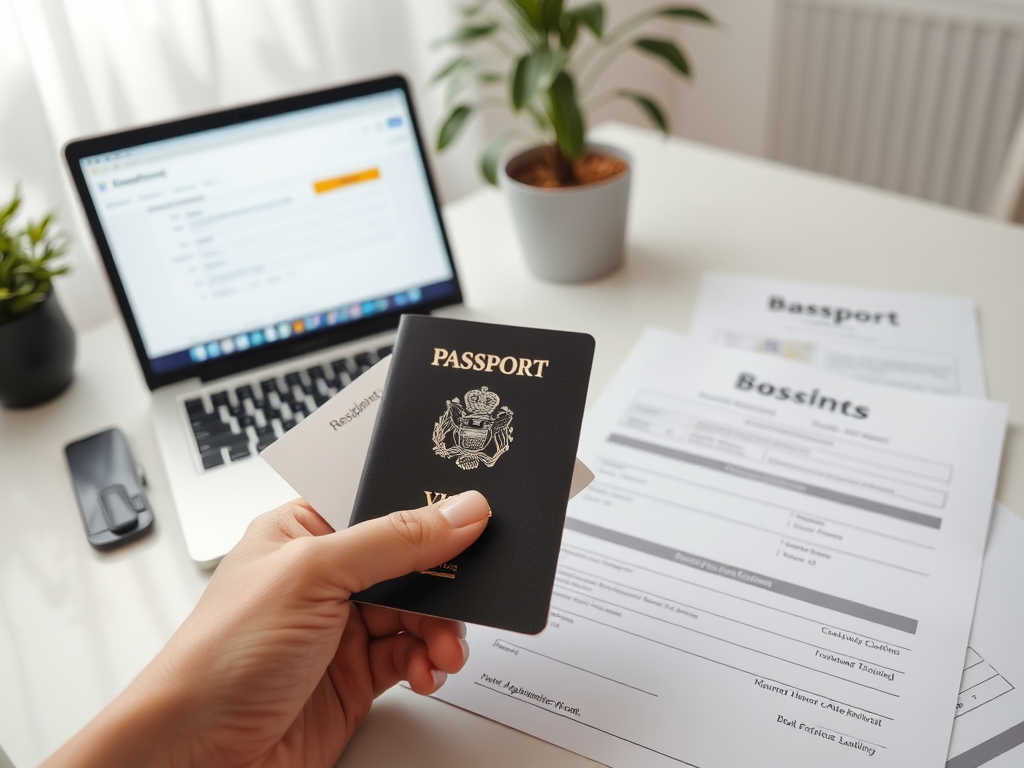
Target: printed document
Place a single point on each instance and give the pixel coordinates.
(775, 565)
(989, 720)
(910, 340)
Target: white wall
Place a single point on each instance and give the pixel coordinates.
(162, 70)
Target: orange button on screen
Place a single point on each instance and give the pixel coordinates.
(328, 185)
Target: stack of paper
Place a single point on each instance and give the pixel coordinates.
(778, 561)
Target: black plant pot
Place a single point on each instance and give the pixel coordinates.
(37, 355)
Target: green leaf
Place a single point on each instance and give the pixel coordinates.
(649, 107)
(452, 125)
(449, 68)
(591, 14)
(11, 208)
(552, 14)
(665, 50)
(461, 77)
(491, 156)
(490, 77)
(467, 34)
(25, 303)
(568, 31)
(534, 74)
(684, 13)
(473, 8)
(566, 116)
(532, 11)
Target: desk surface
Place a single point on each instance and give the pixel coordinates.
(77, 625)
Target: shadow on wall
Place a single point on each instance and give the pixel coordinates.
(29, 154)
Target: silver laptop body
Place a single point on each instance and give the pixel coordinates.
(261, 257)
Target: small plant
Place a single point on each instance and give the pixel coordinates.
(549, 57)
(26, 260)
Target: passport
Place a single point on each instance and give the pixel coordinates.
(492, 408)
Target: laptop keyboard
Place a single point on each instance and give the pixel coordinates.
(236, 423)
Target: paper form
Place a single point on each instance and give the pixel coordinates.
(910, 340)
(989, 720)
(752, 580)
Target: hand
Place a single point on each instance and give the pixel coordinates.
(275, 666)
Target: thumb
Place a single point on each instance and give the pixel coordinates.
(403, 542)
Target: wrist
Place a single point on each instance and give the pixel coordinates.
(146, 726)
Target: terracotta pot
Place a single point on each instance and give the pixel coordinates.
(571, 234)
(37, 355)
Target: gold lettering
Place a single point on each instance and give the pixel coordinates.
(433, 497)
(479, 361)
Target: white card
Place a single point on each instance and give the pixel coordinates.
(322, 457)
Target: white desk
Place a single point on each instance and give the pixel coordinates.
(76, 625)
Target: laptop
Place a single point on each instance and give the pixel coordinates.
(261, 257)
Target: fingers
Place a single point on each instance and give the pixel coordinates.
(424, 664)
(389, 621)
(293, 520)
(402, 542)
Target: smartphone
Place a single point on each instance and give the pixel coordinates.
(109, 490)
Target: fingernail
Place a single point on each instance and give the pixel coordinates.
(439, 677)
(465, 509)
(465, 651)
(460, 629)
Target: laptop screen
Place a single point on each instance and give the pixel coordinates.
(252, 234)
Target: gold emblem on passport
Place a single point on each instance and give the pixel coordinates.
(473, 432)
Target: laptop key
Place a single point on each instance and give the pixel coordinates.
(212, 459)
(236, 452)
(364, 360)
(215, 442)
(212, 433)
(198, 420)
(218, 399)
(265, 441)
(316, 372)
(244, 392)
(385, 351)
(268, 386)
(195, 406)
(340, 366)
(288, 424)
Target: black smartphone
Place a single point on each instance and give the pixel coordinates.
(108, 486)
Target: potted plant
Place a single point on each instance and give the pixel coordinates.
(568, 197)
(37, 346)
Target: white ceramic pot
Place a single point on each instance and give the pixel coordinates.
(572, 234)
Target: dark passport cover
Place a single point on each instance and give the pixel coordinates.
(492, 408)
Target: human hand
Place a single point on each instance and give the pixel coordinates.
(275, 666)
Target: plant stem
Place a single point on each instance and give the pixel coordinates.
(561, 165)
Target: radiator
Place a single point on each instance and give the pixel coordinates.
(916, 96)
